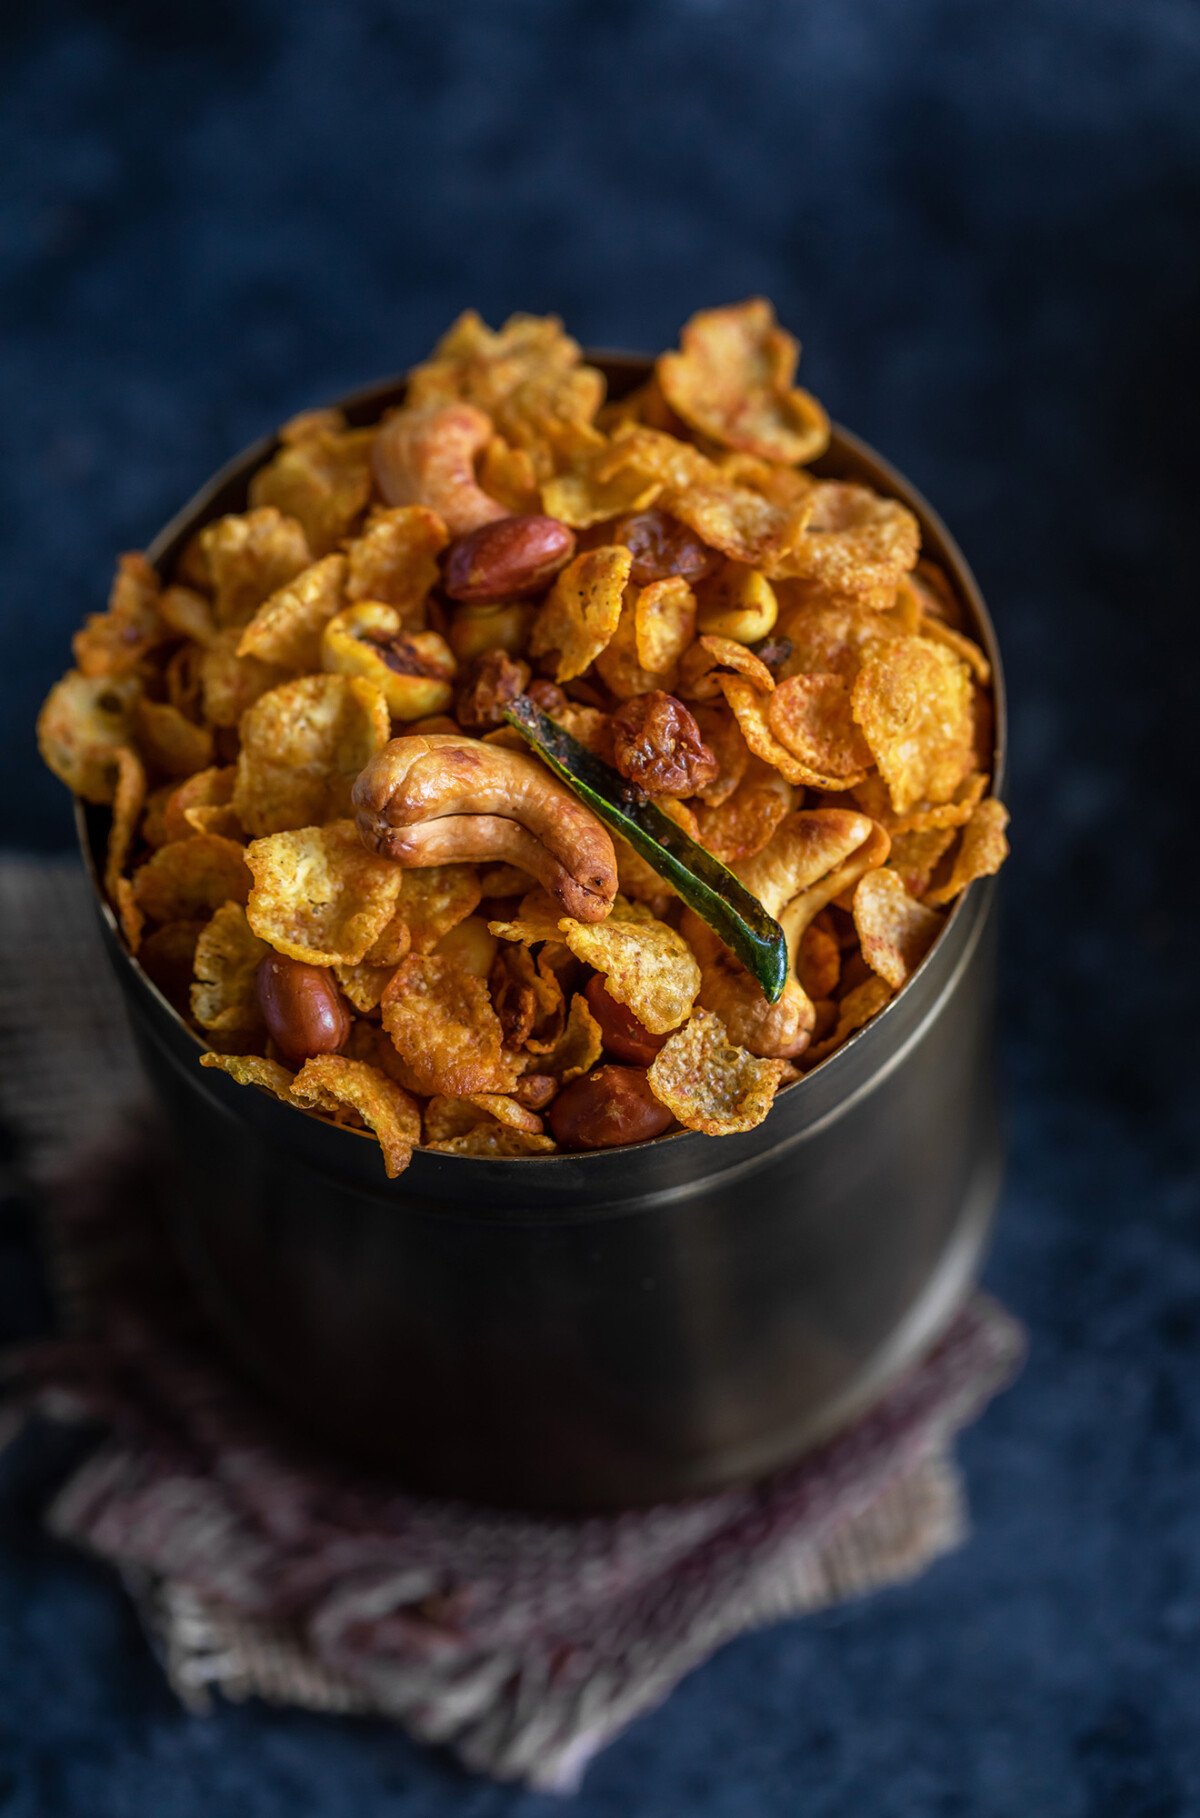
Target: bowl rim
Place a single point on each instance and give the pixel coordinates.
(846, 450)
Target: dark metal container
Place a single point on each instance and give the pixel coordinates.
(614, 1328)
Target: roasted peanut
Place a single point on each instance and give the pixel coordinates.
(302, 1007)
(413, 670)
(625, 1038)
(656, 744)
(608, 1106)
(662, 546)
(474, 629)
(507, 559)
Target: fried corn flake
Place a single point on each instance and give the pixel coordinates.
(318, 895)
(895, 932)
(302, 745)
(334, 1085)
(710, 1085)
(444, 1028)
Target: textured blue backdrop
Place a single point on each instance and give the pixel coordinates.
(983, 222)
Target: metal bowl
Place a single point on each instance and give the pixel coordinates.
(608, 1329)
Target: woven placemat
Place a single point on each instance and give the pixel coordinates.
(261, 1568)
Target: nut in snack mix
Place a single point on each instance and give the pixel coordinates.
(345, 846)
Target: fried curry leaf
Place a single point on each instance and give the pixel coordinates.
(703, 883)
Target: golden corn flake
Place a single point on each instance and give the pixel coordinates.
(732, 381)
(321, 477)
(223, 997)
(963, 647)
(708, 1084)
(818, 961)
(303, 745)
(983, 850)
(913, 700)
(333, 1084)
(831, 639)
(249, 556)
(647, 965)
(114, 642)
(894, 932)
(129, 798)
(286, 629)
(750, 708)
(854, 1011)
(230, 683)
(166, 957)
(171, 743)
(449, 1117)
(444, 1029)
(583, 608)
(709, 657)
(189, 879)
(364, 984)
(83, 723)
(856, 544)
(618, 665)
(915, 856)
(395, 560)
(509, 476)
(201, 804)
(528, 377)
(130, 916)
(505, 1110)
(431, 902)
(810, 715)
(664, 619)
(253, 1070)
(721, 733)
(577, 1048)
(744, 822)
(740, 523)
(188, 614)
(495, 1141)
(319, 895)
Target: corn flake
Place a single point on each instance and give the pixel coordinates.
(856, 1009)
(495, 1141)
(286, 629)
(223, 997)
(664, 619)
(810, 715)
(319, 895)
(170, 742)
(303, 745)
(334, 1084)
(732, 381)
(708, 1084)
(647, 965)
(190, 879)
(743, 824)
(115, 642)
(395, 560)
(83, 723)
(912, 699)
(253, 1070)
(129, 798)
(983, 850)
(230, 683)
(856, 544)
(248, 556)
(894, 932)
(583, 609)
(444, 1029)
(321, 477)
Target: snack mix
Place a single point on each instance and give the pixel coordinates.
(334, 853)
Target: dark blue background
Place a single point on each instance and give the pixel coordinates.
(983, 221)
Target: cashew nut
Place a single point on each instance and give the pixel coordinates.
(427, 457)
(433, 798)
(811, 858)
